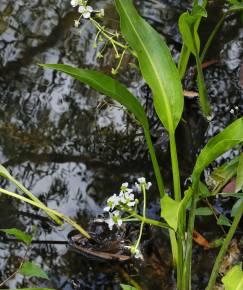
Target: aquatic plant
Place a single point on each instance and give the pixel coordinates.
(164, 78)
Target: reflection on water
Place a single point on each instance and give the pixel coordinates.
(73, 147)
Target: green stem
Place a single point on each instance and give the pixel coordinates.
(154, 162)
(203, 96)
(48, 211)
(175, 168)
(224, 247)
(110, 38)
(144, 217)
(176, 242)
(186, 278)
(149, 221)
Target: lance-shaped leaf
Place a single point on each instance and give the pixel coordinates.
(156, 64)
(32, 270)
(225, 140)
(114, 89)
(107, 86)
(4, 173)
(20, 235)
(188, 25)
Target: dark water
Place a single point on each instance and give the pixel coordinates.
(73, 147)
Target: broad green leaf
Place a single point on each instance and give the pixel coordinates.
(236, 206)
(221, 143)
(156, 64)
(127, 287)
(239, 176)
(223, 221)
(204, 211)
(32, 270)
(107, 86)
(18, 234)
(233, 280)
(4, 173)
(170, 211)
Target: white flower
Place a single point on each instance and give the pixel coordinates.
(102, 13)
(85, 11)
(232, 111)
(114, 219)
(125, 184)
(149, 184)
(74, 3)
(141, 180)
(112, 202)
(138, 186)
(136, 252)
(127, 198)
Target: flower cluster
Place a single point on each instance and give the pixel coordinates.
(124, 201)
(85, 10)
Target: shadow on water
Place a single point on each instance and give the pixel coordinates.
(73, 147)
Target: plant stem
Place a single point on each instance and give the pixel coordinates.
(186, 278)
(154, 162)
(176, 242)
(149, 221)
(203, 96)
(144, 217)
(48, 210)
(224, 247)
(175, 168)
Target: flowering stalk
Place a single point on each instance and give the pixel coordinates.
(87, 12)
(135, 248)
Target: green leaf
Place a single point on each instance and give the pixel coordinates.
(19, 235)
(127, 287)
(198, 10)
(4, 173)
(188, 25)
(156, 64)
(105, 85)
(233, 280)
(204, 211)
(239, 176)
(223, 221)
(170, 211)
(221, 143)
(32, 270)
(236, 206)
(188, 29)
(204, 192)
